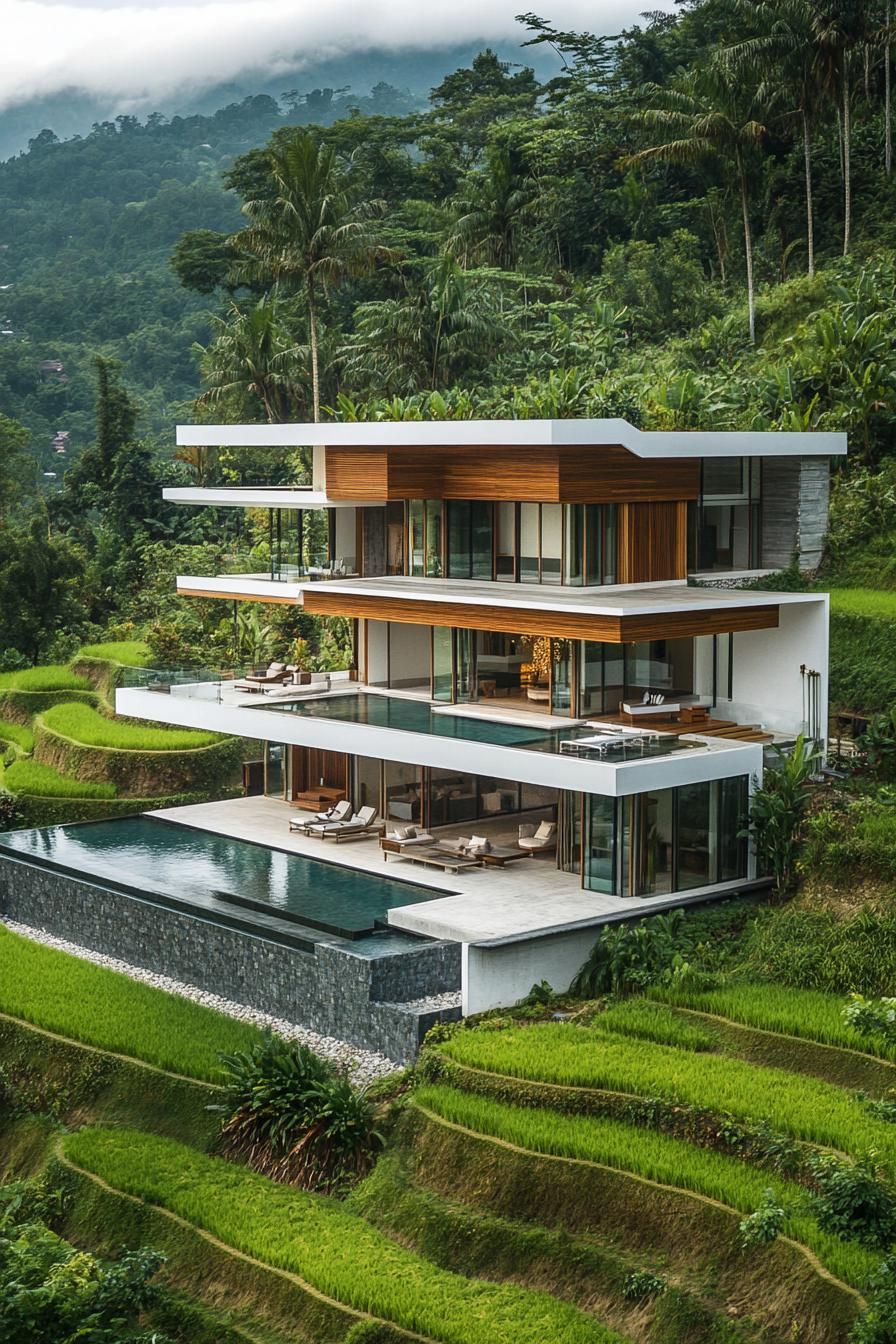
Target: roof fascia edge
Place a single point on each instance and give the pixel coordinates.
(532, 433)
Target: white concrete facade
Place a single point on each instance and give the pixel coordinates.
(531, 921)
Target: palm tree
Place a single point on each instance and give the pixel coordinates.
(313, 232)
(840, 29)
(253, 354)
(707, 115)
(497, 202)
(445, 323)
(781, 58)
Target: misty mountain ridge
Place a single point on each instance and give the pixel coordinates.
(410, 74)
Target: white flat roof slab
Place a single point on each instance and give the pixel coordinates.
(242, 585)
(521, 433)
(260, 497)
(619, 600)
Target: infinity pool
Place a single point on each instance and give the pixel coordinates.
(151, 855)
(418, 716)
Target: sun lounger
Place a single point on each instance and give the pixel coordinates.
(337, 813)
(542, 841)
(362, 823)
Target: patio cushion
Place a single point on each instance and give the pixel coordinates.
(276, 667)
(479, 845)
(455, 844)
(545, 830)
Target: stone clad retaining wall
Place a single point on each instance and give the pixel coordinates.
(352, 998)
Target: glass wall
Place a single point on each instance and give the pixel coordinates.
(442, 663)
(726, 526)
(275, 770)
(572, 544)
(599, 868)
(285, 534)
(668, 840)
(611, 673)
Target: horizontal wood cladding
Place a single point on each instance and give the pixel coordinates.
(525, 621)
(357, 473)
(610, 474)
(653, 542)
(237, 597)
(607, 474)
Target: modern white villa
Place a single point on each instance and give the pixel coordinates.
(560, 694)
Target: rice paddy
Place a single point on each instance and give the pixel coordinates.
(100, 1007)
(337, 1252)
(793, 1104)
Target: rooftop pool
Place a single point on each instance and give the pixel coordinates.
(419, 716)
(150, 855)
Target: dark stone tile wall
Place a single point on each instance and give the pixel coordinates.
(330, 990)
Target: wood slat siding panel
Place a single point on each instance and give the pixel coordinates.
(607, 474)
(524, 621)
(357, 473)
(610, 474)
(652, 542)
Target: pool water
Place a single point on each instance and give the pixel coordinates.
(417, 716)
(156, 856)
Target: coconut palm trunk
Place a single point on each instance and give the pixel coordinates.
(748, 243)
(847, 162)
(312, 339)
(810, 212)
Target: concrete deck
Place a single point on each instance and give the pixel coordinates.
(529, 896)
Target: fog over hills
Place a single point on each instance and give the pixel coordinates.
(73, 111)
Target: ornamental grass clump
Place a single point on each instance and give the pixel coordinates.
(291, 1117)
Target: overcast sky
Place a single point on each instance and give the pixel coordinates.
(141, 49)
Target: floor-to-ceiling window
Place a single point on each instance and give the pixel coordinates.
(275, 757)
(726, 524)
(571, 544)
(666, 840)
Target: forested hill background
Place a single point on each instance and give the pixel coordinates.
(692, 224)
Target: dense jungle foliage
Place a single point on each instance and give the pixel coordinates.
(692, 225)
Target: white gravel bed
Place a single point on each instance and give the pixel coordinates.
(451, 999)
(361, 1066)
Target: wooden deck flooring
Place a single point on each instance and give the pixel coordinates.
(740, 732)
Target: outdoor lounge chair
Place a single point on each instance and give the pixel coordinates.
(542, 841)
(402, 838)
(337, 813)
(361, 824)
(275, 675)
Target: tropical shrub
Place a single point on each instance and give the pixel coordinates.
(628, 957)
(764, 1224)
(856, 835)
(293, 1119)
(872, 1017)
(778, 808)
(854, 1200)
(51, 1292)
(641, 1286)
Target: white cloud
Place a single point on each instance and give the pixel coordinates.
(137, 52)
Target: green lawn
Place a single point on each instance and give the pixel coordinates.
(864, 602)
(42, 781)
(127, 652)
(659, 1158)
(793, 1104)
(100, 1007)
(82, 723)
(336, 1252)
(51, 678)
(808, 1013)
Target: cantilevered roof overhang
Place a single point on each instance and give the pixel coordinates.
(423, 434)
(608, 615)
